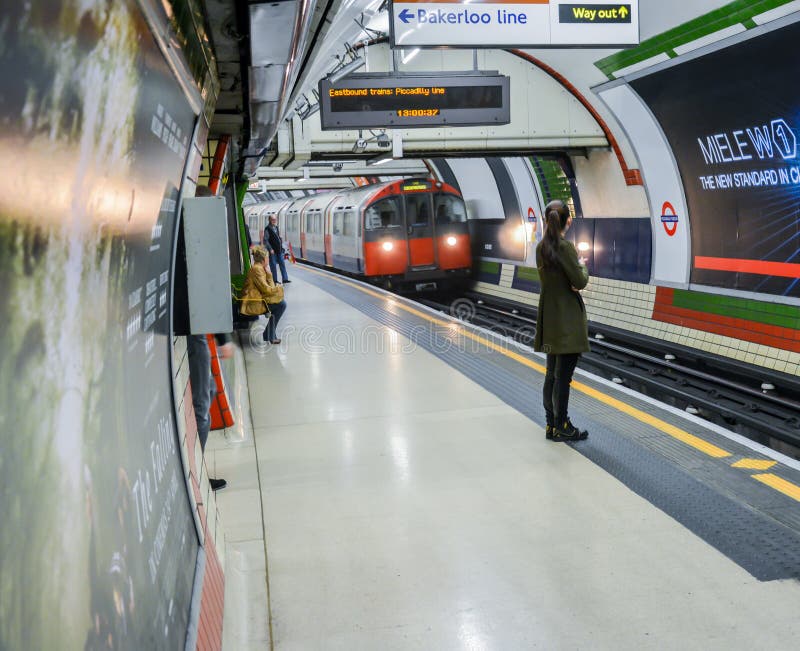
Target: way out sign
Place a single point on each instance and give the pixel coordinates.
(510, 23)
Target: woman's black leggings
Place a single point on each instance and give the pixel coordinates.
(556, 387)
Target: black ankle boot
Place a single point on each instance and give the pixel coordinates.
(568, 432)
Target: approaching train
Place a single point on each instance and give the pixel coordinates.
(412, 232)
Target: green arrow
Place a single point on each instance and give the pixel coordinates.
(623, 11)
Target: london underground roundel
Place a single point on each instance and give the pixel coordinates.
(669, 218)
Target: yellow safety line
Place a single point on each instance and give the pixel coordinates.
(773, 481)
(781, 485)
(675, 432)
(754, 464)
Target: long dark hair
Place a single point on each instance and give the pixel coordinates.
(556, 215)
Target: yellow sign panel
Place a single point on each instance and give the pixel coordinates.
(416, 186)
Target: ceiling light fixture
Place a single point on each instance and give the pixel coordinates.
(411, 55)
(380, 159)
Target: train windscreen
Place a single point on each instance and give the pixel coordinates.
(449, 209)
(385, 213)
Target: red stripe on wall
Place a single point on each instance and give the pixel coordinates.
(212, 600)
(758, 267)
(664, 296)
(758, 333)
(632, 176)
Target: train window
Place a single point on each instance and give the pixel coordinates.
(338, 218)
(313, 223)
(418, 209)
(449, 209)
(349, 224)
(384, 214)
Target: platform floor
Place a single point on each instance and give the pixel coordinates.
(403, 505)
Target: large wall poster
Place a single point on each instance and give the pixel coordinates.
(732, 118)
(97, 546)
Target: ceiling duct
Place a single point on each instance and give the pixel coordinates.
(266, 83)
(276, 50)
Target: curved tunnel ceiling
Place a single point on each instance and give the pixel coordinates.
(361, 22)
(577, 65)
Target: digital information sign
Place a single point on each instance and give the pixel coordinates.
(367, 100)
(514, 23)
(732, 119)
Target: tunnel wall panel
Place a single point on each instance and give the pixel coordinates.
(95, 136)
(731, 120)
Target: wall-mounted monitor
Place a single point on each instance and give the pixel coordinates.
(402, 101)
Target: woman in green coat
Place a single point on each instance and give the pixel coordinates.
(561, 327)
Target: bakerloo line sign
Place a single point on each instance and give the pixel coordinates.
(520, 23)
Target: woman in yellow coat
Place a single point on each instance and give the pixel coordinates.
(261, 293)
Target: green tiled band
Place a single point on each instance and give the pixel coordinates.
(552, 180)
(775, 314)
(734, 13)
(489, 267)
(528, 273)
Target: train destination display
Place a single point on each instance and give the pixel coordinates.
(401, 101)
(732, 121)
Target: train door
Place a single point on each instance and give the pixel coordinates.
(312, 235)
(344, 241)
(293, 230)
(328, 242)
(252, 222)
(420, 230)
(283, 226)
(351, 238)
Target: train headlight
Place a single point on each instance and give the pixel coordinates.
(583, 247)
(452, 241)
(388, 246)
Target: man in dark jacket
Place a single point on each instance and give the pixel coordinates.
(274, 244)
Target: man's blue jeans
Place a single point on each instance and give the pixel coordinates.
(275, 260)
(203, 389)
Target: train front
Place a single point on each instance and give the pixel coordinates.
(416, 235)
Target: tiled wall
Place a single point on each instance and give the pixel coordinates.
(717, 329)
(204, 506)
(765, 333)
